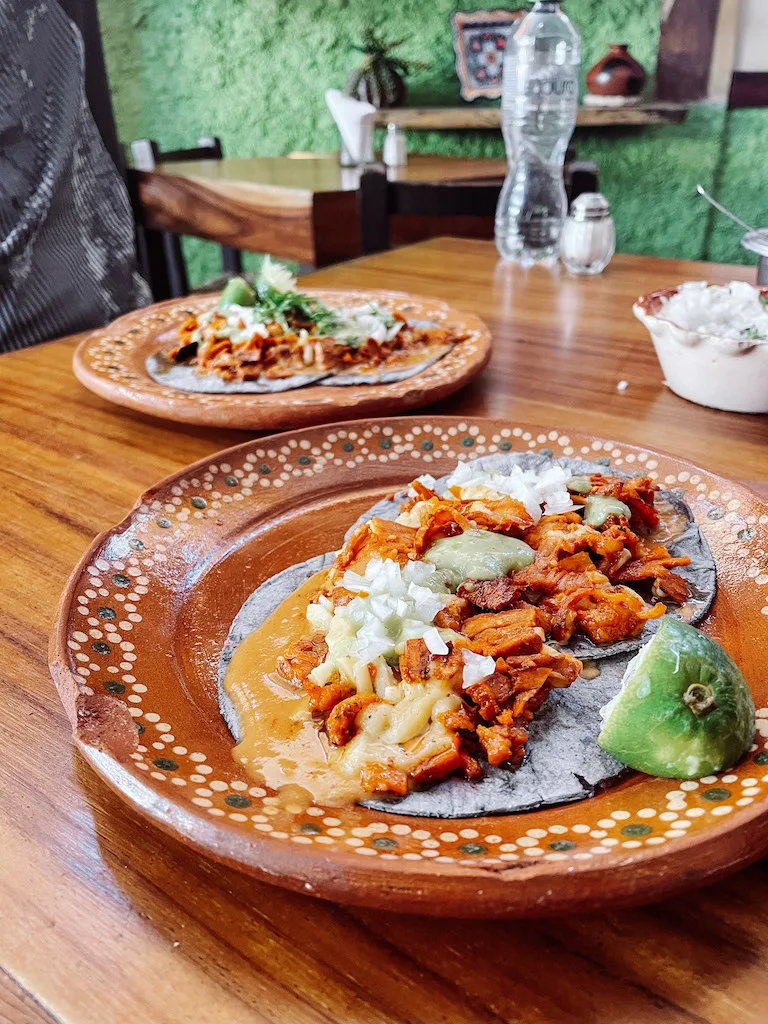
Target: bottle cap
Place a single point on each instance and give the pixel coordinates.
(590, 206)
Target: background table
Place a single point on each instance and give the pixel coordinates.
(105, 919)
(301, 208)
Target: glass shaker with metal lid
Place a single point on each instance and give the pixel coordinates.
(757, 241)
(589, 236)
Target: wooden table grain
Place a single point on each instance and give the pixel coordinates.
(469, 116)
(301, 208)
(105, 919)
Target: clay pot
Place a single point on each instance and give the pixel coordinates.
(616, 74)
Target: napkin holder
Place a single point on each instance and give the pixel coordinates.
(355, 121)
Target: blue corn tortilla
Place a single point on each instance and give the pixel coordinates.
(384, 376)
(186, 378)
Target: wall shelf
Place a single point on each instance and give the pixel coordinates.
(456, 118)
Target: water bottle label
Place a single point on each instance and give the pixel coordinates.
(543, 88)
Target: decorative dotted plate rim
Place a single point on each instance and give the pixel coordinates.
(111, 363)
(516, 865)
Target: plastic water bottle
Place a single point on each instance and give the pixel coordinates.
(539, 105)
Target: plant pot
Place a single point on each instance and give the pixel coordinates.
(382, 86)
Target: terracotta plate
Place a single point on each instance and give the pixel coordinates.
(144, 617)
(111, 362)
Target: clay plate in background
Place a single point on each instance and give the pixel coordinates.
(111, 362)
(143, 619)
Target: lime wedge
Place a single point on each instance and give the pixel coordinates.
(684, 709)
(237, 293)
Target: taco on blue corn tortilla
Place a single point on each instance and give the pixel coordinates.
(435, 664)
(272, 337)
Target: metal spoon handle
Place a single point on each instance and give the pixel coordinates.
(722, 209)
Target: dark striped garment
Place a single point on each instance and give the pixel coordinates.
(67, 258)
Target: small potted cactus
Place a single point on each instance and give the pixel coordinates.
(380, 79)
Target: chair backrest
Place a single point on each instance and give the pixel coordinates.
(160, 254)
(147, 155)
(379, 199)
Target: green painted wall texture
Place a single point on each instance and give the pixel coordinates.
(254, 72)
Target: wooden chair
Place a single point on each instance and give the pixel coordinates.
(380, 199)
(160, 256)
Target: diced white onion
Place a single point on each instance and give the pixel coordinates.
(533, 490)
(319, 618)
(322, 674)
(434, 642)
(427, 479)
(393, 605)
(354, 581)
(476, 667)
(733, 310)
(368, 321)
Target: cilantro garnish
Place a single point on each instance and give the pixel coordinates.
(293, 309)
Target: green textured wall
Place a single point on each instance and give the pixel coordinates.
(742, 183)
(254, 72)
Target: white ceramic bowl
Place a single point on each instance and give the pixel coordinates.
(724, 373)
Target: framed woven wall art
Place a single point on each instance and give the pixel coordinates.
(479, 39)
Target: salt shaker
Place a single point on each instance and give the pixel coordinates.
(588, 240)
(395, 154)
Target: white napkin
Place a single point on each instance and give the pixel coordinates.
(354, 120)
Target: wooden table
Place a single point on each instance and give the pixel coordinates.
(105, 919)
(301, 208)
